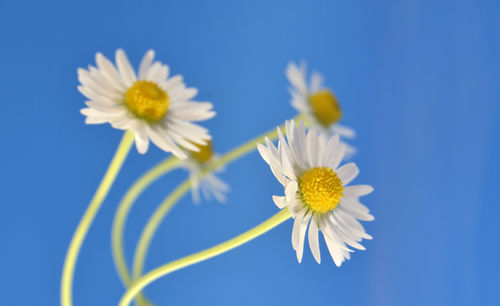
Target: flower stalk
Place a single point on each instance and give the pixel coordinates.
(88, 217)
(121, 215)
(168, 268)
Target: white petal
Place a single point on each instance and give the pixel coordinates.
(99, 86)
(285, 160)
(217, 187)
(109, 70)
(337, 156)
(343, 233)
(296, 76)
(164, 142)
(194, 132)
(356, 213)
(316, 81)
(300, 143)
(123, 122)
(157, 73)
(270, 158)
(326, 229)
(320, 149)
(184, 94)
(353, 202)
(94, 96)
(290, 135)
(357, 190)
(329, 150)
(95, 120)
(105, 107)
(94, 112)
(347, 173)
(344, 131)
(313, 240)
(195, 188)
(141, 142)
(302, 235)
(272, 148)
(280, 201)
(207, 194)
(210, 186)
(291, 191)
(335, 251)
(110, 83)
(126, 71)
(295, 206)
(181, 141)
(146, 64)
(296, 227)
(349, 151)
(172, 83)
(276, 170)
(93, 116)
(192, 111)
(350, 224)
(264, 152)
(311, 146)
(299, 101)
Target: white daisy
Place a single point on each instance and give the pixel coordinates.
(150, 104)
(318, 104)
(209, 185)
(316, 191)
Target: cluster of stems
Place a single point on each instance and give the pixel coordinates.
(133, 279)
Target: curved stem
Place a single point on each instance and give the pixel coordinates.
(124, 208)
(262, 228)
(160, 213)
(150, 229)
(89, 215)
(243, 149)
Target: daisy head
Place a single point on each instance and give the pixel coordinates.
(316, 103)
(200, 158)
(317, 191)
(152, 104)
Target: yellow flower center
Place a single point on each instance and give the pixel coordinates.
(205, 154)
(320, 189)
(147, 101)
(325, 107)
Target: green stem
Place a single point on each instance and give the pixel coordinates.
(88, 217)
(150, 229)
(264, 227)
(160, 213)
(124, 207)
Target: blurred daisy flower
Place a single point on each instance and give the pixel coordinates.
(209, 185)
(318, 104)
(317, 191)
(151, 104)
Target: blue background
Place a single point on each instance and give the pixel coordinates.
(418, 80)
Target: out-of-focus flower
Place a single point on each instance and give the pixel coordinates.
(151, 104)
(317, 104)
(209, 184)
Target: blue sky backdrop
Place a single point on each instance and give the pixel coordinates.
(418, 80)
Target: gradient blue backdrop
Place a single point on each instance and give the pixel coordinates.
(419, 80)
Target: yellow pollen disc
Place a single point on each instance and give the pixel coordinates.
(205, 153)
(325, 107)
(147, 101)
(320, 189)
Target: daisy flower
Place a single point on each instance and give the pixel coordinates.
(151, 104)
(209, 185)
(318, 104)
(317, 191)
